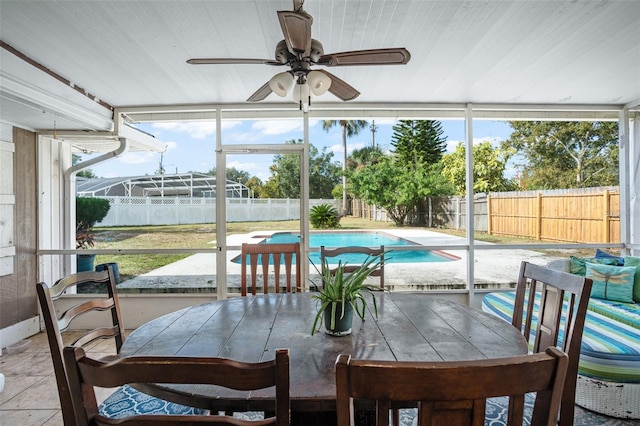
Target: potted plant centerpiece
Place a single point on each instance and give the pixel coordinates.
(342, 294)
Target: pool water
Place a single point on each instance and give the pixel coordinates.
(358, 238)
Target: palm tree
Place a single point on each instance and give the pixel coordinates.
(363, 156)
(349, 128)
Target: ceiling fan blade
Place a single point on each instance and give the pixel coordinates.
(296, 27)
(392, 56)
(261, 93)
(229, 61)
(340, 88)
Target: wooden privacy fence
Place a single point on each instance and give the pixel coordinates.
(584, 216)
(590, 215)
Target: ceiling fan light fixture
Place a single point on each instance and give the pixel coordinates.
(281, 83)
(301, 93)
(319, 82)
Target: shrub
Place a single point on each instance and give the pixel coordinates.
(324, 216)
(89, 211)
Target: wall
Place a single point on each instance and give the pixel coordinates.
(7, 201)
(18, 300)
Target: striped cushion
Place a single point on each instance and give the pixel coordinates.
(126, 401)
(611, 340)
(626, 313)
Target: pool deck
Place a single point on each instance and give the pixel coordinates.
(493, 268)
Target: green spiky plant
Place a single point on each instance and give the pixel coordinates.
(324, 216)
(342, 287)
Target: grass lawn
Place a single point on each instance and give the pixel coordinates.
(204, 236)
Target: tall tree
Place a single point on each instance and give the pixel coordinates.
(349, 128)
(356, 160)
(390, 184)
(417, 141)
(284, 182)
(566, 154)
(237, 175)
(489, 164)
(232, 174)
(363, 156)
(86, 173)
(255, 187)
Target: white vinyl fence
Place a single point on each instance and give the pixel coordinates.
(137, 211)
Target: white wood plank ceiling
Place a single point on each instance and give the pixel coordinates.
(132, 53)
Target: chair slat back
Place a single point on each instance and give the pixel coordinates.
(560, 293)
(85, 373)
(450, 393)
(56, 324)
(326, 253)
(266, 255)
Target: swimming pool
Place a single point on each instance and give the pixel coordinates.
(359, 238)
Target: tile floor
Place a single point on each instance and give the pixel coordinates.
(30, 395)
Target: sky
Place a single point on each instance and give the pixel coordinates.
(190, 145)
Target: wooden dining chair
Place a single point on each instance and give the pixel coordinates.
(452, 392)
(58, 323)
(275, 255)
(367, 252)
(86, 373)
(563, 301)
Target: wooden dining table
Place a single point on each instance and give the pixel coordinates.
(409, 327)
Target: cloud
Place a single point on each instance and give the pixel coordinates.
(351, 146)
(238, 137)
(452, 145)
(243, 165)
(259, 169)
(277, 127)
(139, 157)
(260, 131)
(195, 129)
(337, 148)
(494, 140)
(355, 145)
(171, 145)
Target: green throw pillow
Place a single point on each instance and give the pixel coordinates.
(634, 261)
(578, 264)
(612, 282)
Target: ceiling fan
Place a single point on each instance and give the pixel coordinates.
(300, 52)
